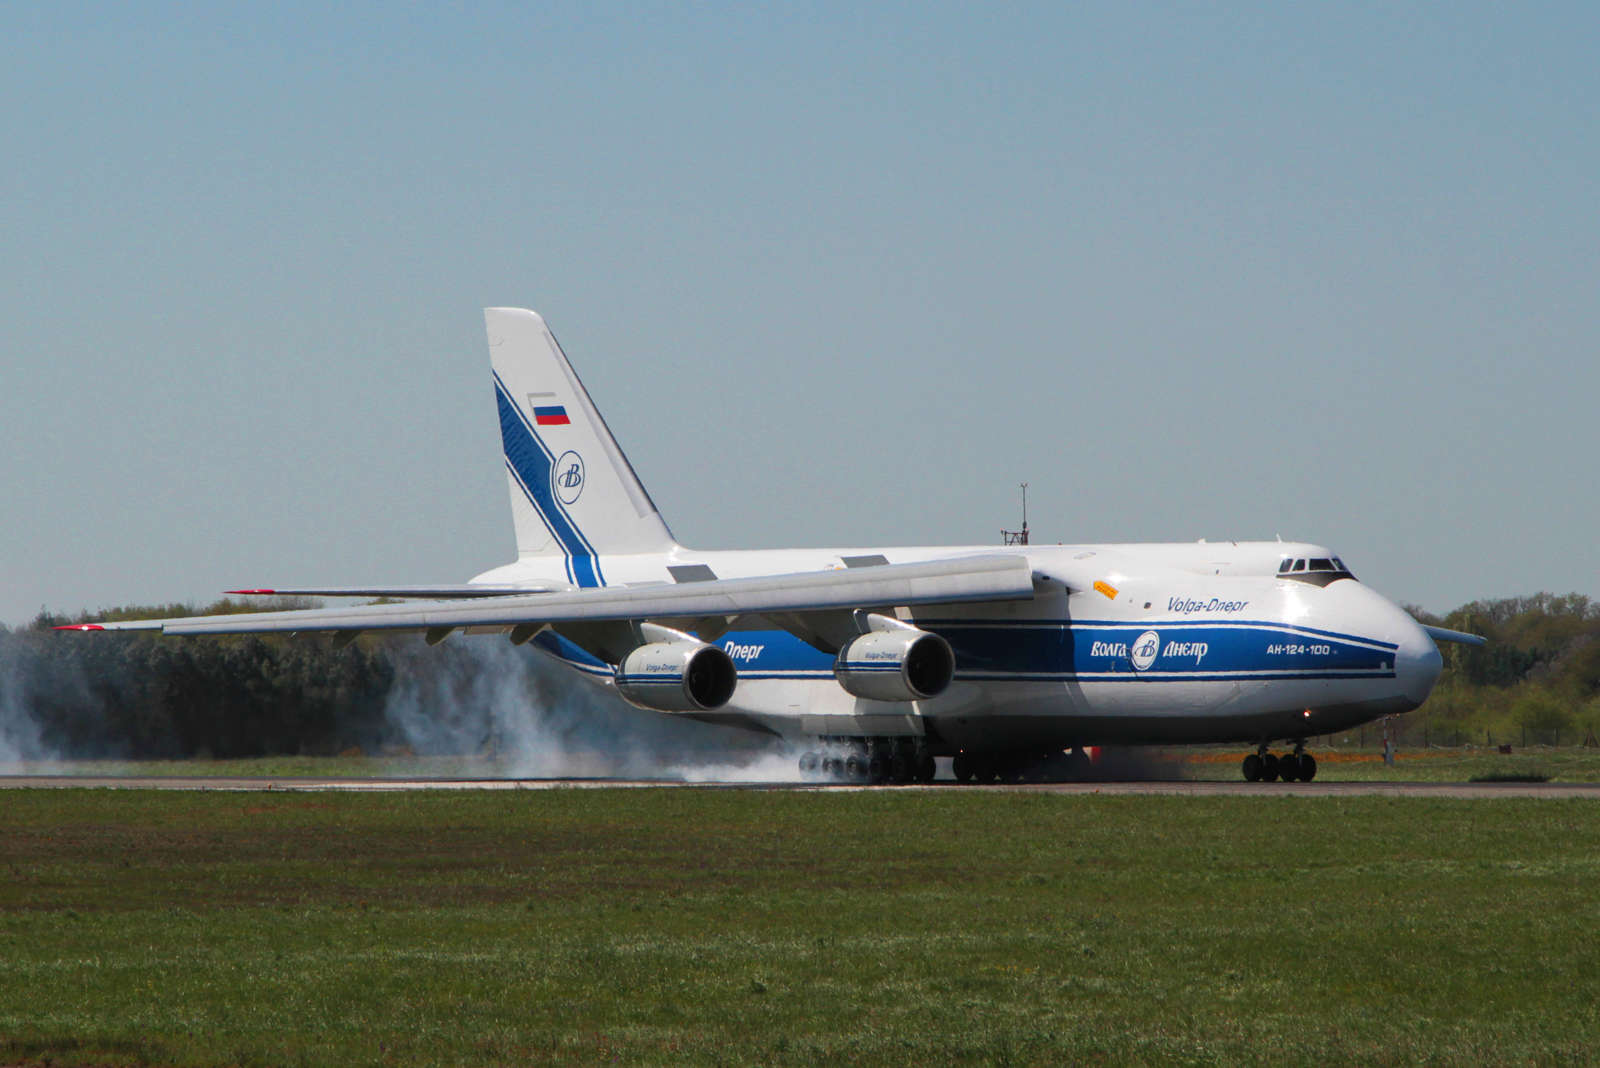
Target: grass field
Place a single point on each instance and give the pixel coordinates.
(1337, 764)
(712, 926)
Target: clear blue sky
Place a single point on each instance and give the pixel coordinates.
(836, 275)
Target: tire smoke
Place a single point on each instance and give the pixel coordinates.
(525, 716)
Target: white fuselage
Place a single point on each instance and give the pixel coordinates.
(1191, 642)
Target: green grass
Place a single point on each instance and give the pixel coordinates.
(742, 927)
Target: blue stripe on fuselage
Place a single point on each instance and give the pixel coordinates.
(1186, 650)
(1161, 625)
(1099, 651)
(571, 652)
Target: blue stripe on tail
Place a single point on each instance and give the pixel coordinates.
(530, 462)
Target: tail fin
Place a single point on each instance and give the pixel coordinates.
(573, 493)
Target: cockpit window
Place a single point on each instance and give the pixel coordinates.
(1317, 571)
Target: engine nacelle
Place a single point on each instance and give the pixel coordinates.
(681, 676)
(898, 664)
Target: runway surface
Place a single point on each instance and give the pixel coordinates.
(1173, 787)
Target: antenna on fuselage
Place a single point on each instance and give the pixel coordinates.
(1019, 537)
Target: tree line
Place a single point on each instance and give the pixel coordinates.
(1536, 681)
(137, 695)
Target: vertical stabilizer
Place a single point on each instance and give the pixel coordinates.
(573, 493)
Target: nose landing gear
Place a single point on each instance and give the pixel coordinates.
(1263, 766)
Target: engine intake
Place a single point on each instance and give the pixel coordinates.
(899, 664)
(683, 676)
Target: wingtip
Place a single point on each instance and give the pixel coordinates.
(253, 593)
(80, 626)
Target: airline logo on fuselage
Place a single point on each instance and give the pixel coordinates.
(1188, 606)
(1146, 649)
(1186, 650)
(738, 651)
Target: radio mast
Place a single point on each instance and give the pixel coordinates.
(1019, 537)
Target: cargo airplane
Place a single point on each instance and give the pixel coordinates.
(1011, 660)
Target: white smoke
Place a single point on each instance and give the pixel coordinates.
(525, 716)
(21, 737)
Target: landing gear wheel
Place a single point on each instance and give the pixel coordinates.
(1252, 768)
(1269, 768)
(832, 767)
(926, 769)
(877, 769)
(855, 767)
(1288, 768)
(962, 767)
(809, 762)
(1308, 767)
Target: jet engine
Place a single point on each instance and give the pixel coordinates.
(677, 676)
(896, 663)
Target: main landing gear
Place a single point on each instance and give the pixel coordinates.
(868, 760)
(1262, 766)
(1020, 766)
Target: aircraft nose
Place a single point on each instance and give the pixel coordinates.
(1417, 662)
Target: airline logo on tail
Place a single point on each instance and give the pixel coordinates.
(568, 476)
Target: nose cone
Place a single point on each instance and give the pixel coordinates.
(1359, 609)
(1417, 662)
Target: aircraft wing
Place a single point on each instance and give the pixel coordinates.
(1441, 634)
(961, 579)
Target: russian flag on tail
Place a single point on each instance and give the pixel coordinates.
(551, 415)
